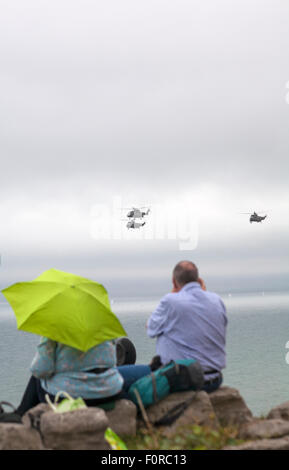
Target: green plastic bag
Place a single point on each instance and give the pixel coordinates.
(68, 404)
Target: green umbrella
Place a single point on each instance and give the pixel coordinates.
(66, 308)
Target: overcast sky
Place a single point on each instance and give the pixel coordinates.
(175, 104)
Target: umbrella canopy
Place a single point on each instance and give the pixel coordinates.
(66, 308)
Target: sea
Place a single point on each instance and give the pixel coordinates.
(257, 346)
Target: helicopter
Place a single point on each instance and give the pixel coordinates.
(255, 217)
(133, 224)
(137, 213)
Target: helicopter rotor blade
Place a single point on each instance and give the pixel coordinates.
(251, 213)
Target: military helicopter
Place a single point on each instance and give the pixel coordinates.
(255, 217)
(133, 224)
(137, 213)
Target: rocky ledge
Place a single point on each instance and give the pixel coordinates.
(84, 429)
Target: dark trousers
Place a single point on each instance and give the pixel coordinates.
(35, 394)
(210, 387)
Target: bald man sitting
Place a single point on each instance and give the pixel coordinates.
(190, 323)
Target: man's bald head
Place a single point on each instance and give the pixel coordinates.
(184, 272)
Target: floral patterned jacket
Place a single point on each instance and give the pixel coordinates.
(61, 367)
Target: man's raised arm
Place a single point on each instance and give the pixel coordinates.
(157, 322)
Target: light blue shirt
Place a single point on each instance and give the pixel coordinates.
(61, 367)
(190, 324)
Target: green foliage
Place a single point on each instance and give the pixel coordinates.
(191, 437)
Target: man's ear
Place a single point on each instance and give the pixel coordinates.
(202, 283)
(176, 287)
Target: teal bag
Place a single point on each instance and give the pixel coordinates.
(177, 376)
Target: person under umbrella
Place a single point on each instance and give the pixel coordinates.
(76, 353)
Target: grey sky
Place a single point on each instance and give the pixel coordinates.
(153, 101)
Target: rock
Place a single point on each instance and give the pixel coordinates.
(263, 444)
(264, 428)
(14, 436)
(199, 411)
(81, 429)
(280, 412)
(84, 429)
(33, 416)
(122, 419)
(230, 407)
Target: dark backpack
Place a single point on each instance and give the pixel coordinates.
(177, 376)
(9, 417)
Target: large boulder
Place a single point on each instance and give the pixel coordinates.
(280, 412)
(122, 419)
(14, 436)
(264, 428)
(81, 429)
(198, 410)
(230, 407)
